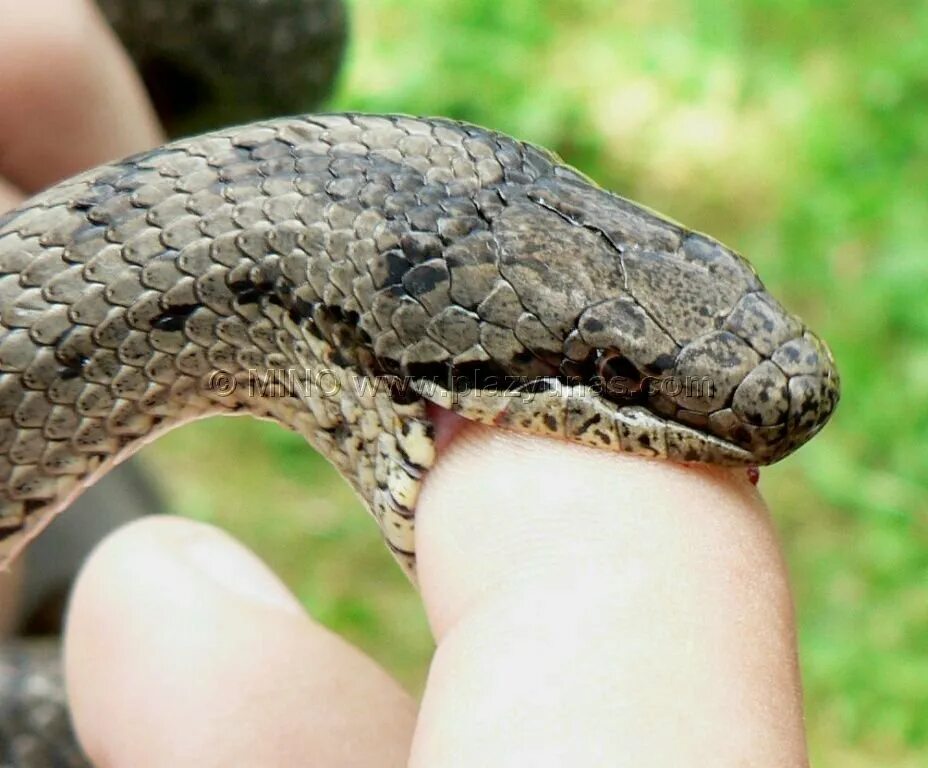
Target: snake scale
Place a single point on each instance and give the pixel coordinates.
(337, 273)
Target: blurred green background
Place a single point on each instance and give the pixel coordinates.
(794, 131)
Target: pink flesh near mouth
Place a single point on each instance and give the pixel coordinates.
(447, 425)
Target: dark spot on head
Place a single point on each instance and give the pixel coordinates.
(440, 373)
(699, 248)
(571, 372)
(479, 374)
(389, 366)
(662, 363)
(618, 367)
(791, 353)
(592, 325)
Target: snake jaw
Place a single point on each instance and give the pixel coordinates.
(578, 414)
(719, 401)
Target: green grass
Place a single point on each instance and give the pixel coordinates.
(795, 131)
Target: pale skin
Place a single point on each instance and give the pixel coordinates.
(588, 608)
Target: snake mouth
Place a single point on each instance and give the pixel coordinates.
(689, 408)
(613, 412)
(447, 425)
(605, 372)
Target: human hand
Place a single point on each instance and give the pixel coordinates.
(589, 609)
(69, 99)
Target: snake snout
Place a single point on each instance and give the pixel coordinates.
(812, 389)
(768, 404)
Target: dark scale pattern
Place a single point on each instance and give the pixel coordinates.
(335, 272)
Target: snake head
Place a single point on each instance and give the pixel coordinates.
(601, 321)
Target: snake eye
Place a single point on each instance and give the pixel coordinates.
(617, 377)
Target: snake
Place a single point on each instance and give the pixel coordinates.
(346, 275)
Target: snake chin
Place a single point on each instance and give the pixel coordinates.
(448, 425)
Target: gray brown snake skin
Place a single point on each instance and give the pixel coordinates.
(342, 270)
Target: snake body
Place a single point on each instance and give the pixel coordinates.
(337, 273)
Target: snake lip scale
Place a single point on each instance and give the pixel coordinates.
(400, 257)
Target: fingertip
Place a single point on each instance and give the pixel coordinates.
(142, 619)
(182, 648)
(502, 509)
(600, 608)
